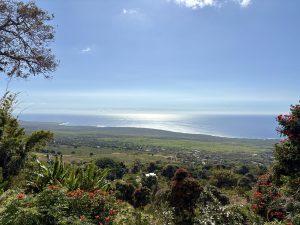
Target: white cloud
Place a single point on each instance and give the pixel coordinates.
(85, 50)
(245, 3)
(195, 4)
(199, 4)
(129, 11)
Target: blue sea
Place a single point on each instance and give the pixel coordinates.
(238, 126)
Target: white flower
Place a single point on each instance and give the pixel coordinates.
(150, 175)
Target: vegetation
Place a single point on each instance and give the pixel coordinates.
(186, 190)
(174, 179)
(216, 190)
(14, 144)
(24, 38)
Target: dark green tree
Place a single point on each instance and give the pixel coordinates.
(117, 169)
(169, 171)
(184, 193)
(14, 143)
(141, 197)
(124, 191)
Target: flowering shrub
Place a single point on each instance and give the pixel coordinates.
(55, 205)
(287, 152)
(267, 199)
(214, 214)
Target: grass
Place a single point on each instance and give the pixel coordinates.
(79, 143)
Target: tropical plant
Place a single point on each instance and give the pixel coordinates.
(88, 178)
(85, 177)
(50, 174)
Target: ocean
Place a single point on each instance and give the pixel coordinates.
(237, 126)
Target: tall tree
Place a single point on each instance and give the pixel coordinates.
(287, 152)
(14, 143)
(25, 35)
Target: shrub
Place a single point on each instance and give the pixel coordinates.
(141, 197)
(136, 167)
(117, 170)
(152, 167)
(267, 200)
(223, 178)
(124, 191)
(150, 181)
(184, 193)
(86, 177)
(54, 205)
(169, 171)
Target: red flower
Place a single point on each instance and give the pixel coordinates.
(97, 217)
(112, 212)
(92, 195)
(254, 206)
(278, 214)
(52, 187)
(20, 196)
(82, 217)
(257, 194)
(107, 218)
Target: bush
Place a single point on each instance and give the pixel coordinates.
(117, 169)
(169, 171)
(55, 205)
(267, 200)
(150, 181)
(141, 197)
(184, 193)
(223, 178)
(152, 167)
(124, 191)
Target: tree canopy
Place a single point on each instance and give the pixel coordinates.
(287, 152)
(14, 143)
(25, 35)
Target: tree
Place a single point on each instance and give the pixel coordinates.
(223, 178)
(152, 167)
(14, 144)
(25, 36)
(124, 191)
(184, 193)
(287, 152)
(117, 169)
(169, 171)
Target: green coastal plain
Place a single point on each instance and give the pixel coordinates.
(81, 143)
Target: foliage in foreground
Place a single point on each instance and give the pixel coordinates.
(86, 177)
(56, 205)
(14, 143)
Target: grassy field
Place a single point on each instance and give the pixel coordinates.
(80, 143)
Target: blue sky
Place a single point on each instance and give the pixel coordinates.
(169, 56)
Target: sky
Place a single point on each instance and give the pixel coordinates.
(168, 56)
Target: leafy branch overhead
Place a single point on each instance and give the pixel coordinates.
(25, 36)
